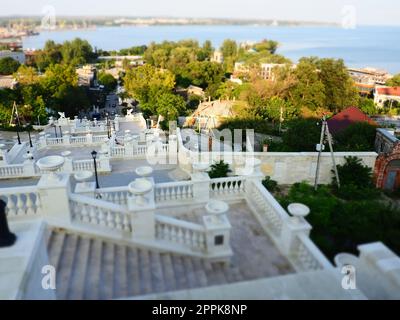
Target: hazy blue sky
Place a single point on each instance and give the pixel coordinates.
(373, 12)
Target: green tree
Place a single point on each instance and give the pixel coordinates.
(146, 83)
(309, 90)
(367, 105)
(8, 66)
(359, 136)
(394, 82)
(77, 52)
(340, 91)
(229, 51)
(170, 106)
(108, 81)
(301, 135)
(26, 75)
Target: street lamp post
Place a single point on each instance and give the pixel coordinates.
(29, 135)
(60, 132)
(94, 155)
(55, 130)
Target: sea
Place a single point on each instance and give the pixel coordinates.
(364, 46)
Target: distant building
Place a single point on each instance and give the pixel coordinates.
(367, 78)
(195, 91)
(16, 55)
(217, 57)
(347, 117)
(384, 93)
(387, 165)
(266, 70)
(7, 82)
(87, 76)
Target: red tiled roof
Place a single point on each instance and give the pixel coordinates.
(347, 117)
(389, 91)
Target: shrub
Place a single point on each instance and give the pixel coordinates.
(219, 170)
(355, 180)
(302, 135)
(359, 136)
(270, 185)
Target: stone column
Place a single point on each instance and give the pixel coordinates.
(54, 198)
(66, 138)
(201, 186)
(143, 215)
(172, 149)
(29, 168)
(89, 138)
(218, 236)
(292, 227)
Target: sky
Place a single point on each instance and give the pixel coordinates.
(366, 12)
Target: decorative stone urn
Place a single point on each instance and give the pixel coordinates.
(50, 165)
(83, 176)
(139, 188)
(144, 171)
(200, 167)
(298, 211)
(217, 207)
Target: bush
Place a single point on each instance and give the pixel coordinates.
(359, 136)
(340, 226)
(270, 185)
(301, 135)
(355, 181)
(219, 170)
(8, 66)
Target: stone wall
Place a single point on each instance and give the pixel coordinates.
(292, 167)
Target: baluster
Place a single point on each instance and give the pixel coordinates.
(126, 222)
(93, 215)
(20, 205)
(11, 206)
(118, 221)
(102, 218)
(110, 219)
(29, 205)
(85, 214)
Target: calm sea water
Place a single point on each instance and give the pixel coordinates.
(364, 46)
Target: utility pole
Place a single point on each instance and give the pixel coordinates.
(325, 134)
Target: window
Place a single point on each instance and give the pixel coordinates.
(219, 240)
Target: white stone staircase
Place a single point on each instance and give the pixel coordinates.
(92, 268)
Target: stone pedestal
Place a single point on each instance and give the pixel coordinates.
(218, 235)
(89, 138)
(201, 186)
(143, 215)
(290, 229)
(29, 168)
(54, 197)
(172, 149)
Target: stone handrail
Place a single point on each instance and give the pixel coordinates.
(306, 256)
(268, 211)
(173, 191)
(228, 186)
(11, 171)
(96, 212)
(186, 234)
(22, 201)
(85, 165)
(117, 195)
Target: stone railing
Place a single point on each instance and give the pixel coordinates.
(12, 171)
(181, 233)
(22, 201)
(118, 152)
(306, 256)
(95, 212)
(228, 187)
(117, 195)
(268, 211)
(173, 191)
(85, 165)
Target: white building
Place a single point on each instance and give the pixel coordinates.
(16, 55)
(217, 57)
(384, 93)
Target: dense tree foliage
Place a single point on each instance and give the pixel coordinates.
(108, 81)
(395, 81)
(8, 66)
(359, 136)
(146, 83)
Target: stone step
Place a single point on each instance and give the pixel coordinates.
(145, 273)
(133, 272)
(56, 247)
(77, 288)
(121, 268)
(168, 271)
(156, 272)
(65, 267)
(93, 284)
(107, 271)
